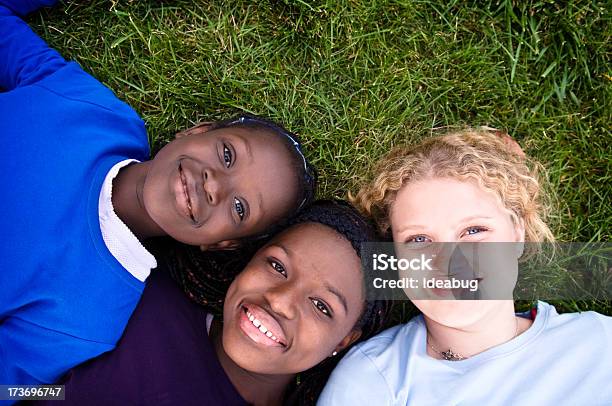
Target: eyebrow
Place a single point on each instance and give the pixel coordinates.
(410, 227)
(463, 220)
(245, 145)
(339, 295)
(470, 218)
(260, 206)
(247, 148)
(281, 246)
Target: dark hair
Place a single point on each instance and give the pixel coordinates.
(206, 276)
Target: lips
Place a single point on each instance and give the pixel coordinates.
(187, 196)
(261, 327)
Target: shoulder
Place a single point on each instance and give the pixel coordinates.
(390, 343)
(570, 325)
(369, 370)
(73, 83)
(590, 318)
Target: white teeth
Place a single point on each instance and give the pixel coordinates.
(261, 327)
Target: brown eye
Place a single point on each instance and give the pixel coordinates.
(227, 156)
(321, 306)
(278, 267)
(239, 208)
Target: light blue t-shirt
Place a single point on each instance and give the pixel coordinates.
(560, 360)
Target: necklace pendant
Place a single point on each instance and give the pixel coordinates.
(449, 355)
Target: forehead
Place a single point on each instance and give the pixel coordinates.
(320, 255)
(256, 140)
(443, 199)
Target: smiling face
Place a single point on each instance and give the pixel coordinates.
(225, 184)
(449, 210)
(295, 303)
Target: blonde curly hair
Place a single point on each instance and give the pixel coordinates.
(476, 154)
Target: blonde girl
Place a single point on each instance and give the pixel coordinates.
(468, 186)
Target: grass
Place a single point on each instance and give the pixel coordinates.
(354, 78)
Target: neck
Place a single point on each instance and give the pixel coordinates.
(128, 203)
(499, 326)
(256, 389)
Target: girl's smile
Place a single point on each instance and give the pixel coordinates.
(261, 327)
(224, 184)
(185, 200)
(294, 303)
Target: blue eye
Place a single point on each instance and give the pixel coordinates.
(227, 156)
(475, 230)
(239, 207)
(418, 239)
(322, 307)
(278, 267)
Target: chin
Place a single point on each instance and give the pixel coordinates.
(453, 313)
(248, 359)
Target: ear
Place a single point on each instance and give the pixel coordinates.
(200, 128)
(348, 340)
(225, 245)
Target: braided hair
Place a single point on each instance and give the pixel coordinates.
(206, 276)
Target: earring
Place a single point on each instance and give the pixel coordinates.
(334, 353)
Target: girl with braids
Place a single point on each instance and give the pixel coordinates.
(83, 195)
(469, 187)
(295, 307)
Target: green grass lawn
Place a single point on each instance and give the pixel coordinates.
(354, 78)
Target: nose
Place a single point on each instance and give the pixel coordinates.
(213, 187)
(283, 299)
(442, 252)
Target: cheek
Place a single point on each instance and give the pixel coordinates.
(318, 340)
(251, 279)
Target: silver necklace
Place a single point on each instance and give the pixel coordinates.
(450, 355)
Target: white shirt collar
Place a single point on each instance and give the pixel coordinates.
(119, 239)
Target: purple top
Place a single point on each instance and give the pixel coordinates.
(164, 357)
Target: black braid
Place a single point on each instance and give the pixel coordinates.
(206, 276)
